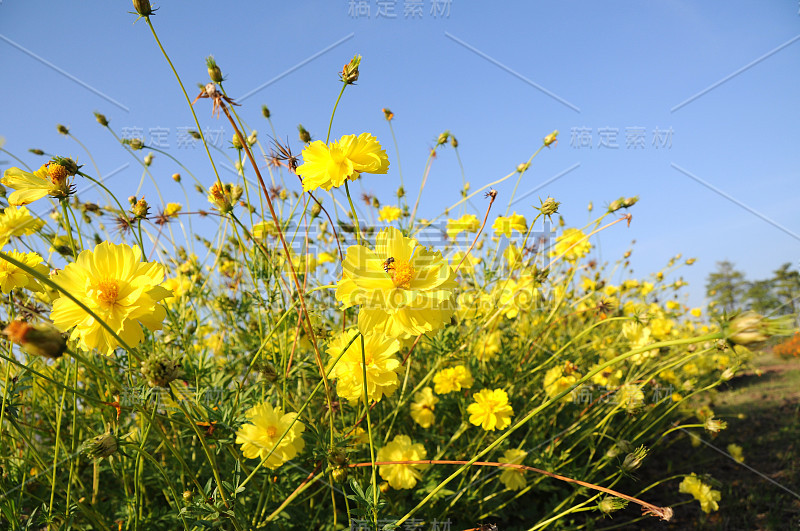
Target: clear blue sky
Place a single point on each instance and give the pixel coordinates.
(498, 75)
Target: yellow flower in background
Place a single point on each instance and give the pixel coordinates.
(696, 312)
(17, 221)
(51, 179)
(263, 435)
(172, 209)
(660, 327)
(488, 346)
(179, 286)
(513, 478)
(119, 288)
(262, 229)
(423, 406)
(12, 276)
(646, 288)
(382, 366)
(673, 305)
(403, 288)
(573, 244)
(630, 397)
(736, 452)
(490, 410)
(328, 166)
(452, 379)
(325, 258)
(402, 449)
(469, 264)
(513, 256)
(466, 223)
(703, 493)
(504, 225)
(389, 214)
(515, 296)
(558, 379)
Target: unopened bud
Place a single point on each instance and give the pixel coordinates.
(237, 144)
(37, 340)
(160, 370)
(634, 459)
(552, 138)
(140, 209)
(387, 114)
(101, 119)
(36, 151)
(134, 143)
(213, 70)
(630, 201)
(610, 504)
(315, 210)
(143, 7)
(148, 159)
(304, 135)
(549, 207)
(62, 129)
(443, 138)
(350, 72)
(453, 141)
(176, 177)
(401, 192)
(265, 112)
(522, 168)
(616, 205)
(100, 446)
(194, 134)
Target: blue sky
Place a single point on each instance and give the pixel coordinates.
(717, 79)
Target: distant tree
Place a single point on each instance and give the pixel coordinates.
(760, 296)
(726, 288)
(786, 288)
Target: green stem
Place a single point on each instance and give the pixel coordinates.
(330, 123)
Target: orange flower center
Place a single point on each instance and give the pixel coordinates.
(107, 291)
(58, 173)
(403, 274)
(272, 431)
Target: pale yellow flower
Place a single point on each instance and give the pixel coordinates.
(513, 478)
(381, 362)
(422, 409)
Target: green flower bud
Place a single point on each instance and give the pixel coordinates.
(213, 70)
(609, 504)
(350, 72)
(41, 339)
(749, 328)
(265, 112)
(101, 446)
(143, 7)
(305, 136)
(101, 119)
(62, 129)
(160, 370)
(36, 151)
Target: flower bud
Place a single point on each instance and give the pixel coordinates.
(387, 114)
(101, 119)
(37, 340)
(616, 205)
(36, 151)
(143, 7)
(315, 210)
(140, 209)
(195, 135)
(590, 207)
(552, 138)
(100, 446)
(305, 136)
(549, 207)
(187, 495)
(401, 192)
(522, 168)
(630, 201)
(176, 177)
(453, 141)
(237, 144)
(712, 425)
(148, 159)
(62, 129)
(609, 504)
(252, 137)
(349, 73)
(213, 70)
(443, 138)
(634, 459)
(749, 328)
(265, 112)
(134, 143)
(160, 370)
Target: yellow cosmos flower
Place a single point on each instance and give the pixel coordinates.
(490, 410)
(263, 435)
(403, 288)
(328, 166)
(382, 366)
(172, 209)
(696, 312)
(17, 221)
(736, 452)
(466, 223)
(324, 258)
(488, 346)
(504, 225)
(12, 276)
(572, 244)
(513, 478)
(452, 379)
(179, 286)
(51, 179)
(423, 406)
(120, 289)
(703, 493)
(515, 296)
(224, 196)
(389, 214)
(402, 449)
(469, 264)
(559, 379)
